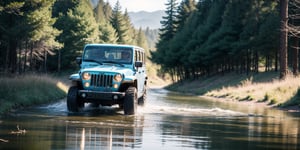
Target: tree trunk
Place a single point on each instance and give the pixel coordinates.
(267, 63)
(295, 54)
(59, 61)
(19, 59)
(13, 56)
(283, 38)
(31, 57)
(256, 62)
(276, 60)
(45, 60)
(25, 56)
(248, 63)
(6, 60)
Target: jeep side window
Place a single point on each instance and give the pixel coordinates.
(135, 54)
(139, 56)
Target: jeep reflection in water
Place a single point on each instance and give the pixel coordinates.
(109, 75)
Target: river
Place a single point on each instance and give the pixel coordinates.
(169, 121)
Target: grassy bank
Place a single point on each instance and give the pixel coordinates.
(23, 91)
(262, 87)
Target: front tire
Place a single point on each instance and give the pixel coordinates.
(130, 101)
(74, 103)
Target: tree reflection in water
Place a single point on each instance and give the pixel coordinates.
(104, 135)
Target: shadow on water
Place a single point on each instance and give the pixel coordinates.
(168, 121)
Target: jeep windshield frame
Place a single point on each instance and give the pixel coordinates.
(108, 54)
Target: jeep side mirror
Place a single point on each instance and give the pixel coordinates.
(138, 64)
(78, 60)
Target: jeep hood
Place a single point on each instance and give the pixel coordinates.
(109, 69)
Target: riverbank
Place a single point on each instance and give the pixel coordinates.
(23, 91)
(263, 88)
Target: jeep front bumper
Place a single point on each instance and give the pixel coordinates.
(99, 96)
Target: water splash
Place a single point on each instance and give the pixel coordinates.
(60, 106)
(188, 111)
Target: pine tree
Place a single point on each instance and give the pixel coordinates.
(207, 21)
(219, 45)
(117, 21)
(11, 33)
(294, 29)
(29, 24)
(107, 33)
(42, 33)
(80, 27)
(130, 32)
(63, 6)
(169, 21)
(99, 11)
(167, 32)
(185, 9)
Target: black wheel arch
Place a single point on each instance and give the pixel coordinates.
(126, 85)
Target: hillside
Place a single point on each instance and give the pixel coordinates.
(146, 19)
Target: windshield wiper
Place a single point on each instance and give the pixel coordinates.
(114, 62)
(92, 60)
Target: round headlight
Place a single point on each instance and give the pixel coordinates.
(86, 76)
(118, 77)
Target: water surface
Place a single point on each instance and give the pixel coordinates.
(168, 121)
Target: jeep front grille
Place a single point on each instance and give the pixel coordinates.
(101, 80)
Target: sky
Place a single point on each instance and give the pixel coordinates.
(140, 5)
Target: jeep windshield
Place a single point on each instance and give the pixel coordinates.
(108, 54)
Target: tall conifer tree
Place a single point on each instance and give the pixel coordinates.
(107, 33)
(80, 27)
(117, 21)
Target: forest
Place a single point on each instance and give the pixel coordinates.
(47, 35)
(208, 37)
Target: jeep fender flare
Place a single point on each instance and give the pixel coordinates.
(127, 82)
(130, 79)
(75, 79)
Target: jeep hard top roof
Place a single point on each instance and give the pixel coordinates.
(115, 45)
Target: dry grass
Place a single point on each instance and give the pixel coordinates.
(29, 90)
(261, 87)
(274, 92)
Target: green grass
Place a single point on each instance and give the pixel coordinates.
(23, 91)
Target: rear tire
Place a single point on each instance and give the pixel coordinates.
(142, 100)
(130, 101)
(74, 103)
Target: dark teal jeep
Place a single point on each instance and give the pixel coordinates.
(110, 74)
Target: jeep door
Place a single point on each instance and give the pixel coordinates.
(140, 73)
